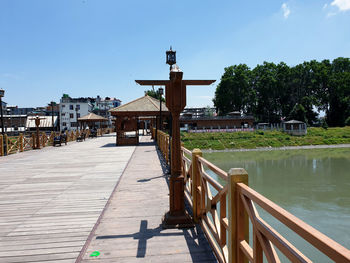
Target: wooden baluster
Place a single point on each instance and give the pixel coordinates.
(43, 141)
(52, 136)
(167, 148)
(237, 216)
(196, 183)
(33, 141)
(6, 146)
(21, 149)
(257, 249)
(222, 233)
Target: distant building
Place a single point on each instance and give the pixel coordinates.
(73, 108)
(45, 123)
(102, 107)
(205, 119)
(294, 127)
(13, 124)
(3, 106)
(15, 110)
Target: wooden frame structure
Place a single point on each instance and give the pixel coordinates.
(227, 228)
(128, 118)
(91, 118)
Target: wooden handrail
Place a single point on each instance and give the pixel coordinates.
(15, 144)
(240, 207)
(326, 245)
(222, 174)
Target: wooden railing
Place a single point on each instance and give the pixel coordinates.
(163, 140)
(224, 211)
(14, 144)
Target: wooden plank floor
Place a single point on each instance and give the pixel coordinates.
(50, 199)
(130, 228)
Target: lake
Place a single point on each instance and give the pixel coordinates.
(312, 184)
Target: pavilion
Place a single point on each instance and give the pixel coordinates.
(91, 119)
(132, 116)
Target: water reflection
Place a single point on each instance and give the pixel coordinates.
(313, 184)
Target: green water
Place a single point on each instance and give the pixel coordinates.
(314, 185)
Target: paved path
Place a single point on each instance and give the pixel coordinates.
(50, 199)
(130, 231)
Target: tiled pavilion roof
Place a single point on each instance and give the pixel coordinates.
(92, 117)
(144, 106)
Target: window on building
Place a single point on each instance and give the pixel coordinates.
(64, 124)
(78, 115)
(63, 114)
(63, 106)
(78, 107)
(71, 107)
(71, 115)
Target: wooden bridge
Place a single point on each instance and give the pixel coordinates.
(93, 201)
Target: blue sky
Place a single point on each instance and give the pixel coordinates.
(99, 47)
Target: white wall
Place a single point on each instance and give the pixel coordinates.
(85, 108)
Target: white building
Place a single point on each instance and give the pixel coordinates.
(102, 107)
(71, 109)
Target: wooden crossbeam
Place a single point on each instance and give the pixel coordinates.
(152, 82)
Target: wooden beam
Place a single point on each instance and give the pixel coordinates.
(152, 82)
(198, 82)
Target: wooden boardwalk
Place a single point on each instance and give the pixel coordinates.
(50, 199)
(130, 227)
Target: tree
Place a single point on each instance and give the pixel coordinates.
(339, 92)
(232, 93)
(154, 94)
(270, 92)
(298, 113)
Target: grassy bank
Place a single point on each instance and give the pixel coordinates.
(257, 139)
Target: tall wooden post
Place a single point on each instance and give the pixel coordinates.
(237, 216)
(36, 142)
(196, 181)
(21, 142)
(175, 98)
(1, 145)
(6, 144)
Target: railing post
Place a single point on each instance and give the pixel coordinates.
(51, 138)
(6, 145)
(21, 142)
(237, 216)
(196, 182)
(43, 137)
(33, 139)
(167, 142)
(1, 145)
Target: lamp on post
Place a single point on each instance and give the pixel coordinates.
(161, 91)
(170, 57)
(175, 98)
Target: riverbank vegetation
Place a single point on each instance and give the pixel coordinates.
(271, 92)
(259, 139)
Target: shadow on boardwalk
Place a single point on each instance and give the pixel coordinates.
(130, 228)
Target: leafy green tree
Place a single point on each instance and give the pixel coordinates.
(339, 92)
(270, 92)
(268, 108)
(154, 94)
(232, 93)
(298, 113)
